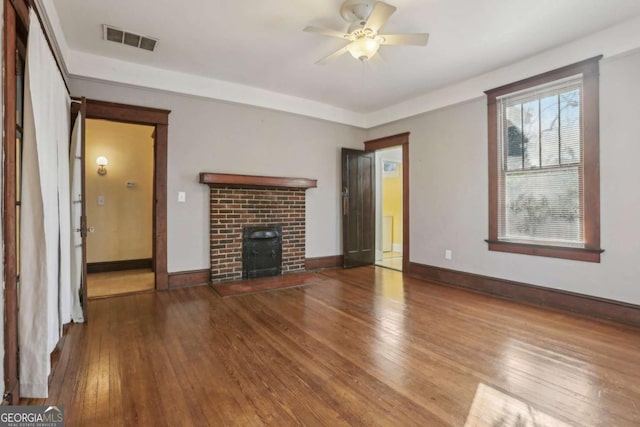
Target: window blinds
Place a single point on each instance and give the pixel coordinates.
(541, 165)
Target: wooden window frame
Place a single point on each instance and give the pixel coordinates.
(589, 69)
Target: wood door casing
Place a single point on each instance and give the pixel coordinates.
(402, 140)
(16, 28)
(358, 207)
(160, 120)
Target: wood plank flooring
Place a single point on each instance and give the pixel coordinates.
(392, 260)
(112, 283)
(365, 347)
(265, 284)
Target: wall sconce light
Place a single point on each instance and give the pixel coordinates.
(102, 162)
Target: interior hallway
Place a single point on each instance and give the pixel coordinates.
(112, 283)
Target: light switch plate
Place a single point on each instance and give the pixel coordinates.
(100, 200)
(182, 196)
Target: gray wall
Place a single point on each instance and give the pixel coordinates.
(449, 191)
(449, 183)
(215, 136)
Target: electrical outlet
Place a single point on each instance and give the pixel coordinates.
(447, 254)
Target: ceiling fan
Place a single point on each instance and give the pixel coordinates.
(366, 19)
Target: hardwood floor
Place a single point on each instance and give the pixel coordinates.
(392, 260)
(366, 346)
(112, 283)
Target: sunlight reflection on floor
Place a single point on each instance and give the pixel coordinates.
(493, 408)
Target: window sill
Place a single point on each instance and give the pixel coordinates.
(577, 254)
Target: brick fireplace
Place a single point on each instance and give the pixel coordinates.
(239, 201)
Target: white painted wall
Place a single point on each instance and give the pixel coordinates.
(610, 42)
(217, 136)
(449, 193)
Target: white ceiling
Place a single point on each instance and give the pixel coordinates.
(260, 43)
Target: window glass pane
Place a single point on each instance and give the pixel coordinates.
(18, 194)
(544, 195)
(543, 205)
(540, 199)
(513, 131)
(550, 130)
(18, 166)
(531, 133)
(17, 238)
(570, 127)
(19, 89)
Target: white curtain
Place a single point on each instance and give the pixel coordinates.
(75, 163)
(45, 293)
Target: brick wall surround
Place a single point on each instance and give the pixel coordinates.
(233, 208)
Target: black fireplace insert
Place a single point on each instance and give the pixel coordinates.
(261, 251)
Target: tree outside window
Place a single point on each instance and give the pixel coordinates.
(541, 161)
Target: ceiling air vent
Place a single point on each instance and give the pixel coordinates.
(125, 37)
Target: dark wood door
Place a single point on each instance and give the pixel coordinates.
(358, 207)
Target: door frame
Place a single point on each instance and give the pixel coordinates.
(401, 140)
(16, 28)
(160, 120)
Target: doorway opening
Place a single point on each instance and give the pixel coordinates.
(119, 205)
(156, 120)
(394, 150)
(389, 205)
(362, 217)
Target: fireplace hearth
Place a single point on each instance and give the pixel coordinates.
(244, 201)
(261, 251)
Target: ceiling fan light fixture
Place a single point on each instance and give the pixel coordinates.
(367, 18)
(364, 48)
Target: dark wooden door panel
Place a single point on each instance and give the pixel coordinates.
(358, 207)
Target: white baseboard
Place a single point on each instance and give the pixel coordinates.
(397, 247)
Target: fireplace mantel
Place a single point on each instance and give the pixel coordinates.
(253, 181)
(240, 201)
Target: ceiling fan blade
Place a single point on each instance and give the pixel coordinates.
(333, 55)
(404, 39)
(379, 16)
(326, 32)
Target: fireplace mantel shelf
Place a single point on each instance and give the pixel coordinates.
(252, 181)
